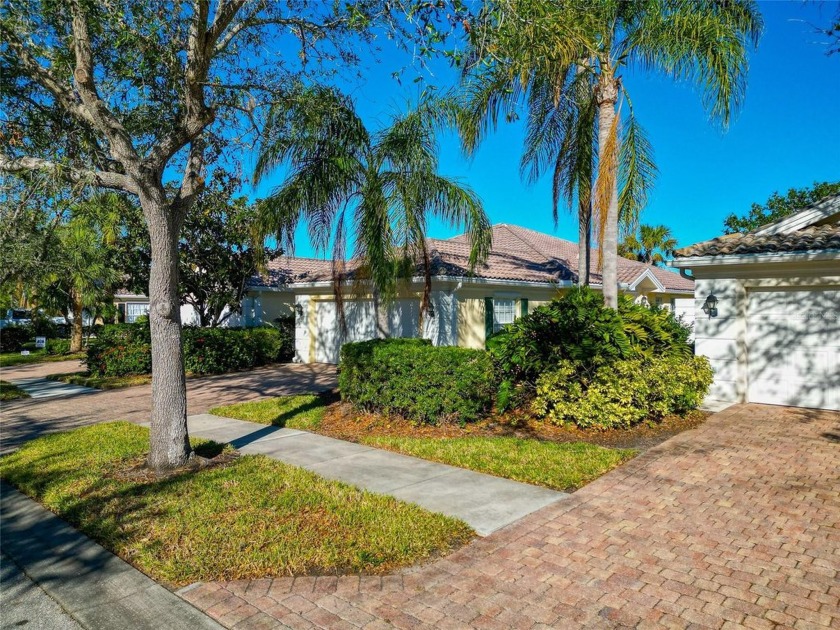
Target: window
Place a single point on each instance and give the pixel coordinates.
(135, 310)
(504, 312)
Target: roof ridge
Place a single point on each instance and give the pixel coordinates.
(528, 244)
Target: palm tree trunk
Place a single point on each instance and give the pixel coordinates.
(78, 323)
(607, 94)
(584, 243)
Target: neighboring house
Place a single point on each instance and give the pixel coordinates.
(524, 270)
(767, 307)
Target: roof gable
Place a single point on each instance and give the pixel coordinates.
(812, 229)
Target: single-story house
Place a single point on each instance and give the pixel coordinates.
(767, 309)
(525, 268)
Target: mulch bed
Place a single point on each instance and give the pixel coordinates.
(343, 422)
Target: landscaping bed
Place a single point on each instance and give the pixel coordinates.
(11, 392)
(85, 379)
(243, 518)
(509, 445)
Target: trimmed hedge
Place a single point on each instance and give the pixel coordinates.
(125, 349)
(414, 379)
(622, 393)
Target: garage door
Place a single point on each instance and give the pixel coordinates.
(793, 348)
(360, 319)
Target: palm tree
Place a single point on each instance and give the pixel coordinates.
(652, 245)
(375, 191)
(523, 48)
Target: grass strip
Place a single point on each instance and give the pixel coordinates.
(10, 359)
(563, 466)
(11, 392)
(252, 517)
(295, 412)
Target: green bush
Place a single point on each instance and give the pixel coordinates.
(12, 338)
(58, 346)
(414, 379)
(124, 349)
(622, 393)
(578, 327)
(286, 327)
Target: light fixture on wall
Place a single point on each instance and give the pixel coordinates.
(710, 305)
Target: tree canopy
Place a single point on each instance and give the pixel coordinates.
(779, 206)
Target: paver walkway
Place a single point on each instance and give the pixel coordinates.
(81, 584)
(23, 420)
(733, 524)
(484, 502)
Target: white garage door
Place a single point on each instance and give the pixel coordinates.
(793, 342)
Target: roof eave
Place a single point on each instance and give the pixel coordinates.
(689, 262)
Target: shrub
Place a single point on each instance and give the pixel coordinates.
(125, 349)
(622, 393)
(286, 327)
(12, 338)
(412, 378)
(578, 327)
(58, 346)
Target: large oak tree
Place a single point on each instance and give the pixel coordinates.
(132, 95)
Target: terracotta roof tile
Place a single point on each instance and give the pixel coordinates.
(517, 254)
(814, 238)
(823, 234)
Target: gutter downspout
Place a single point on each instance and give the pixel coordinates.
(684, 273)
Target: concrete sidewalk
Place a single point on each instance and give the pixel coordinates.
(45, 388)
(81, 583)
(485, 502)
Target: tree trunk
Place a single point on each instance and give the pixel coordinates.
(170, 446)
(78, 322)
(584, 243)
(607, 94)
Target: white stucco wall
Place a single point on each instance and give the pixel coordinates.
(725, 340)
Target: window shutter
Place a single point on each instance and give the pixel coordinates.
(523, 307)
(488, 318)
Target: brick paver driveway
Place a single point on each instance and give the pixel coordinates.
(25, 419)
(734, 524)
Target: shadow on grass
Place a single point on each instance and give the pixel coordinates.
(318, 402)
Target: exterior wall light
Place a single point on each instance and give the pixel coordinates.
(710, 305)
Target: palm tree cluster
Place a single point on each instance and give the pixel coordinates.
(564, 60)
(560, 60)
(652, 245)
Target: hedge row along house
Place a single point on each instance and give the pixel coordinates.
(525, 269)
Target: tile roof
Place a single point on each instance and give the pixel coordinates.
(517, 254)
(820, 231)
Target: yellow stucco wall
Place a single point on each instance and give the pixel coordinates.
(471, 323)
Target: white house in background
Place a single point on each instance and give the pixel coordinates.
(524, 270)
(767, 309)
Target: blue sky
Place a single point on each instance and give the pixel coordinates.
(787, 134)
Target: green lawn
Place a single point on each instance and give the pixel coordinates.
(558, 465)
(9, 359)
(102, 382)
(296, 412)
(11, 392)
(254, 517)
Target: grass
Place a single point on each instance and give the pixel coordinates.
(102, 382)
(9, 359)
(11, 392)
(253, 517)
(296, 412)
(558, 465)
(562, 466)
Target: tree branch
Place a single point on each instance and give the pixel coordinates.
(103, 179)
(102, 118)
